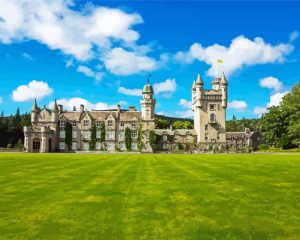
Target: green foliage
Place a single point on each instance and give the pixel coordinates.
(162, 123)
(128, 139)
(152, 138)
(240, 125)
(263, 146)
(20, 145)
(93, 139)
(102, 133)
(68, 139)
(182, 125)
(140, 140)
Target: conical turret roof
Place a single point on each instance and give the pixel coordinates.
(223, 79)
(194, 85)
(55, 107)
(199, 80)
(34, 107)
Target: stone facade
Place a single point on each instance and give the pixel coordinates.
(47, 132)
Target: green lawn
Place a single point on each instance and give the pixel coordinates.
(72, 196)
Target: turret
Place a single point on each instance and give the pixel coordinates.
(54, 112)
(199, 89)
(147, 102)
(34, 111)
(223, 86)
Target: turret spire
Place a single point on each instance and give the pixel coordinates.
(223, 79)
(199, 80)
(55, 106)
(34, 107)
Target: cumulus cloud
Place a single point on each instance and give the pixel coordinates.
(90, 73)
(122, 62)
(241, 52)
(168, 86)
(259, 110)
(276, 99)
(185, 103)
(130, 92)
(185, 114)
(294, 35)
(69, 104)
(237, 105)
(34, 89)
(271, 83)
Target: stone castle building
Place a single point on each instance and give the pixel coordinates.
(47, 132)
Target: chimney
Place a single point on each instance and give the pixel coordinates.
(81, 108)
(131, 108)
(118, 110)
(60, 107)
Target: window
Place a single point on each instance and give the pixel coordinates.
(218, 135)
(110, 146)
(109, 123)
(134, 146)
(98, 145)
(74, 124)
(206, 126)
(74, 145)
(176, 138)
(62, 123)
(165, 137)
(86, 134)
(98, 124)
(85, 146)
(98, 134)
(121, 134)
(86, 123)
(62, 145)
(36, 145)
(62, 134)
(121, 124)
(206, 136)
(110, 134)
(74, 134)
(133, 123)
(212, 107)
(212, 117)
(122, 146)
(134, 134)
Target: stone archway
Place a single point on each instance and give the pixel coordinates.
(50, 144)
(36, 145)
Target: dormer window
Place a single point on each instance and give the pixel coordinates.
(73, 124)
(86, 123)
(98, 124)
(133, 123)
(109, 123)
(62, 123)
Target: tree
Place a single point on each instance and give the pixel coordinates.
(162, 123)
(140, 140)
(68, 139)
(92, 143)
(128, 139)
(182, 125)
(152, 138)
(102, 133)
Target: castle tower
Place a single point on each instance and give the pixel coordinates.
(147, 102)
(54, 112)
(34, 112)
(209, 108)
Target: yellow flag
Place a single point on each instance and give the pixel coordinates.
(220, 61)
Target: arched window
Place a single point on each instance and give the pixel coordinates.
(212, 117)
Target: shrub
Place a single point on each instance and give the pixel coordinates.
(263, 146)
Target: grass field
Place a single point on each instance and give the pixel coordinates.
(72, 196)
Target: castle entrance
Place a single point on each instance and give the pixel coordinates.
(50, 144)
(36, 145)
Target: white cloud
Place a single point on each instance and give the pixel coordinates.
(271, 83)
(69, 63)
(69, 104)
(122, 62)
(168, 86)
(185, 103)
(241, 52)
(259, 111)
(237, 105)
(185, 114)
(294, 35)
(57, 25)
(90, 73)
(34, 89)
(130, 92)
(276, 98)
(27, 56)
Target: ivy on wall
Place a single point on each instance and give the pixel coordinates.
(102, 132)
(92, 145)
(68, 139)
(128, 139)
(140, 136)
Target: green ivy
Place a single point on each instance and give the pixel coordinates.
(68, 139)
(92, 143)
(140, 136)
(102, 133)
(128, 139)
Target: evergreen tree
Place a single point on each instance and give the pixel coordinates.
(93, 139)
(68, 139)
(128, 139)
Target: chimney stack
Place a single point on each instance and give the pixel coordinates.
(60, 107)
(131, 108)
(81, 108)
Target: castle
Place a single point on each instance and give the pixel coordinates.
(47, 132)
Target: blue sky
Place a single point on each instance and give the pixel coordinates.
(99, 53)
